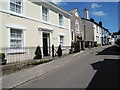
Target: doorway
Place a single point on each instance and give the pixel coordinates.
(46, 43)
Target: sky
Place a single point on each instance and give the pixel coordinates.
(107, 12)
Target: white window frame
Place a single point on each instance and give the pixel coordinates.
(77, 27)
(45, 15)
(14, 2)
(60, 20)
(63, 37)
(97, 29)
(16, 38)
(11, 50)
(97, 38)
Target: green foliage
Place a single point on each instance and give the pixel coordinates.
(59, 51)
(38, 53)
(2, 56)
(39, 62)
(95, 44)
(117, 33)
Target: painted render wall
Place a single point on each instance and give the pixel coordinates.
(0, 5)
(32, 30)
(32, 26)
(35, 11)
(81, 25)
(4, 5)
(30, 22)
(0, 31)
(99, 33)
(89, 33)
(31, 10)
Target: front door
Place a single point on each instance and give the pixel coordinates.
(45, 43)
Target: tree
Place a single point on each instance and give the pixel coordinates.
(59, 51)
(2, 58)
(117, 33)
(38, 54)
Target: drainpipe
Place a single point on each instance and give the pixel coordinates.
(84, 33)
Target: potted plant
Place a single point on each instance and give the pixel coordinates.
(2, 58)
(38, 54)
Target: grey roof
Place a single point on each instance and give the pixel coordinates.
(72, 11)
(96, 24)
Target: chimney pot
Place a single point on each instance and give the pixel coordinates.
(92, 19)
(100, 23)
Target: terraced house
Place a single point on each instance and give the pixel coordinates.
(77, 28)
(26, 24)
(93, 30)
(106, 36)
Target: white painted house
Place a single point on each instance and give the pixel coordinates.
(93, 30)
(25, 25)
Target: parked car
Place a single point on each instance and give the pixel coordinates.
(118, 42)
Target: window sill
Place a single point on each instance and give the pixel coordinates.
(15, 51)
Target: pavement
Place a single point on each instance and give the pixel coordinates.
(26, 75)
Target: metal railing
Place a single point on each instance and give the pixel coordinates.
(17, 55)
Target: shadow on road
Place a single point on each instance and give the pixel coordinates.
(107, 75)
(113, 50)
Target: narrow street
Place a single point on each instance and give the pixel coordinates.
(97, 68)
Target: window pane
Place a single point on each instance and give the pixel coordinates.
(16, 6)
(18, 9)
(12, 7)
(61, 40)
(44, 14)
(18, 2)
(60, 20)
(16, 38)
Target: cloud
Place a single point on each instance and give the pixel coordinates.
(95, 5)
(58, 2)
(99, 13)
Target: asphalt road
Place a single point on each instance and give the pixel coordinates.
(97, 68)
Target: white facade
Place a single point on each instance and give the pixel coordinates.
(31, 24)
(93, 32)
